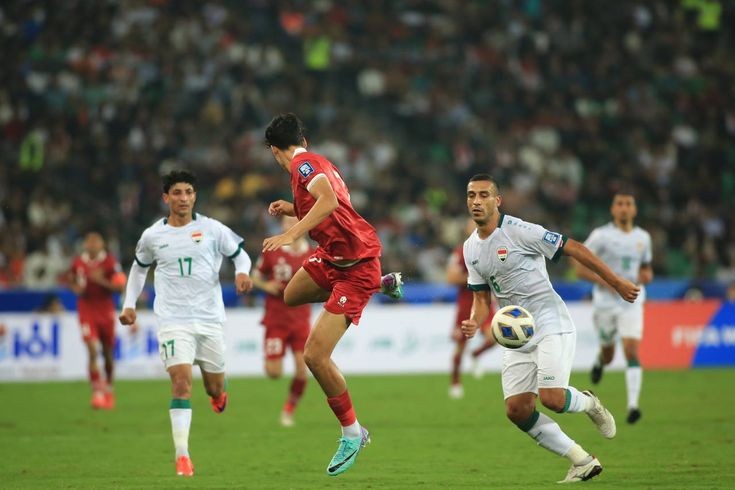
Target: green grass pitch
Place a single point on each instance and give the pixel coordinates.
(50, 438)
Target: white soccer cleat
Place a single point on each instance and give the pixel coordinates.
(583, 472)
(456, 392)
(601, 417)
(287, 419)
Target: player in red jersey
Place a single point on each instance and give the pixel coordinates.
(344, 272)
(285, 326)
(457, 275)
(94, 276)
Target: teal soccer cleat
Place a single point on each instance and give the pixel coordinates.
(392, 285)
(347, 453)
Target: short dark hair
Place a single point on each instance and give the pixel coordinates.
(177, 176)
(487, 178)
(285, 130)
(624, 191)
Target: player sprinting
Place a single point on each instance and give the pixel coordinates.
(626, 248)
(344, 272)
(285, 326)
(187, 249)
(457, 275)
(94, 276)
(507, 255)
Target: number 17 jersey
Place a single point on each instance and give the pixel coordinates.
(512, 263)
(188, 260)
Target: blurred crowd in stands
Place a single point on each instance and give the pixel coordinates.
(563, 101)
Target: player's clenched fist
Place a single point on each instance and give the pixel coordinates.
(128, 316)
(469, 327)
(628, 290)
(281, 207)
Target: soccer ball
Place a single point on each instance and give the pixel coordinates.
(513, 326)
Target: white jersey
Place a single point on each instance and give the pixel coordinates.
(188, 260)
(512, 262)
(624, 252)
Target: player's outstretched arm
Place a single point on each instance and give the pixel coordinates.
(481, 302)
(326, 203)
(136, 281)
(626, 289)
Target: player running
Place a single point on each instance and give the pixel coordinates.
(457, 275)
(94, 276)
(285, 326)
(187, 249)
(626, 248)
(507, 255)
(344, 272)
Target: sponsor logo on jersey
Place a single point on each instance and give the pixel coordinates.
(502, 253)
(475, 262)
(551, 237)
(197, 236)
(305, 169)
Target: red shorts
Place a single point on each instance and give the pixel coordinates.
(98, 326)
(278, 337)
(351, 287)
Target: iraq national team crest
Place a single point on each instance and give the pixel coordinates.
(197, 236)
(502, 253)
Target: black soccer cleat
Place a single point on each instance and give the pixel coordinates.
(634, 415)
(596, 373)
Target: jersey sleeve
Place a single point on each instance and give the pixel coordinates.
(144, 256)
(535, 239)
(229, 243)
(308, 171)
(595, 241)
(475, 282)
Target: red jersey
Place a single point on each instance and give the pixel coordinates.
(344, 234)
(280, 265)
(94, 298)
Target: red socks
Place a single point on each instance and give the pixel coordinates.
(341, 405)
(294, 395)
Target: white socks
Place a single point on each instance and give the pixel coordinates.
(549, 435)
(577, 401)
(180, 423)
(633, 382)
(352, 431)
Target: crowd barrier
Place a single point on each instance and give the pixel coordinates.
(414, 293)
(390, 339)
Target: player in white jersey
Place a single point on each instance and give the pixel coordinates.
(507, 255)
(626, 248)
(187, 249)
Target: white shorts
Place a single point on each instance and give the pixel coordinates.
(626, 322)
(202, 344)
(547, 366)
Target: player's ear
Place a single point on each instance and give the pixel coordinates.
(498, 200)
(304, 143)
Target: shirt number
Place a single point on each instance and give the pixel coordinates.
(494, 284)
(187, 260)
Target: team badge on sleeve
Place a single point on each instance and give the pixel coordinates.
(551, 237)
(502, 253)
(197, 236)
(305, 169)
